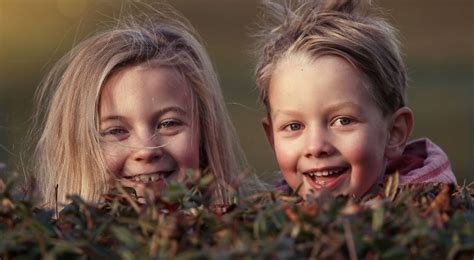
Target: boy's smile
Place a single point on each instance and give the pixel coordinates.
(325, 127)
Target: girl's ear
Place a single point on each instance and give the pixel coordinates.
(267, 126)
(399, 131)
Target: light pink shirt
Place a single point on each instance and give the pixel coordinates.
(422, 162)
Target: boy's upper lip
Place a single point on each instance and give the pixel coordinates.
(324, 168)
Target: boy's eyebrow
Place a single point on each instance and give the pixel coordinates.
(342, 105)
(329, 109)
(286, 112)
(156, 114)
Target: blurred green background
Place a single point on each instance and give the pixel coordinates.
(437, 38)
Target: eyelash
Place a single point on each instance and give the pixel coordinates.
(114, 131)
(289, 127)
(350, 121)
(169, 123)
(341, 120)
(120, 131)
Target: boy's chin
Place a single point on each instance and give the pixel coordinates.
(340, 188)
(307, 192)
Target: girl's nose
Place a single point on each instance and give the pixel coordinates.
(318, 144)
(148, 154)
(147, 150)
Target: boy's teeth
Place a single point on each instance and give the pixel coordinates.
(324, 173)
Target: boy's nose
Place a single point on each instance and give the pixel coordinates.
(318, 145)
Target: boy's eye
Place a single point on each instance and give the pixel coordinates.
(294, 127)
(342, 121)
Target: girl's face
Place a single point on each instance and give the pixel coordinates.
(148, 128)
(324, 126)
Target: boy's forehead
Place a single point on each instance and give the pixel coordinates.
(291, 69)
(329, 80)
(294, 59)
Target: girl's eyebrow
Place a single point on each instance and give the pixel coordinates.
(156, 114)
(111, 118)
(165, 110)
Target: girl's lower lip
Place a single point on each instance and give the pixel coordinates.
(163, 174)
(330, 184)
(159, 183)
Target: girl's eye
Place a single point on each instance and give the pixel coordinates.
(343, 121)
(169, 124)
(293, 127)
(114, 134)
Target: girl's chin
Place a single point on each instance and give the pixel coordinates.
(140, 187)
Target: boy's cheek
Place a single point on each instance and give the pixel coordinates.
(287, 162)
(285, 157)
(292, 179)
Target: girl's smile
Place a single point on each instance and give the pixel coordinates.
(148, 126)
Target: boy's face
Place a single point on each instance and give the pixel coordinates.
(149, 133)
(324, 126)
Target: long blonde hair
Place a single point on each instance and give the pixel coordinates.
(68, 152)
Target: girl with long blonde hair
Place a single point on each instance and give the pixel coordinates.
(140, 104)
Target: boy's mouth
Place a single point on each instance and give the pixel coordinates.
(329, 178)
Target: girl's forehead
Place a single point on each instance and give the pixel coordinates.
(170, 74)
(146, 83)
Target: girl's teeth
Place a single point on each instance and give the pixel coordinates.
(147, 178)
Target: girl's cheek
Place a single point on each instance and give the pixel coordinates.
(114, 158)
(191, 149)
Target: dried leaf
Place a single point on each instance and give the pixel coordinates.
(291, 214)
(391, 185)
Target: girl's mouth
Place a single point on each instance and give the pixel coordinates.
(149, 177)
(329, 179)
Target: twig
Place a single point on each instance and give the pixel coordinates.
(56, 212)
(129, 199)
(349, 240)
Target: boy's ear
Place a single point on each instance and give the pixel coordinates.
(399, 131)
(267, 126)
